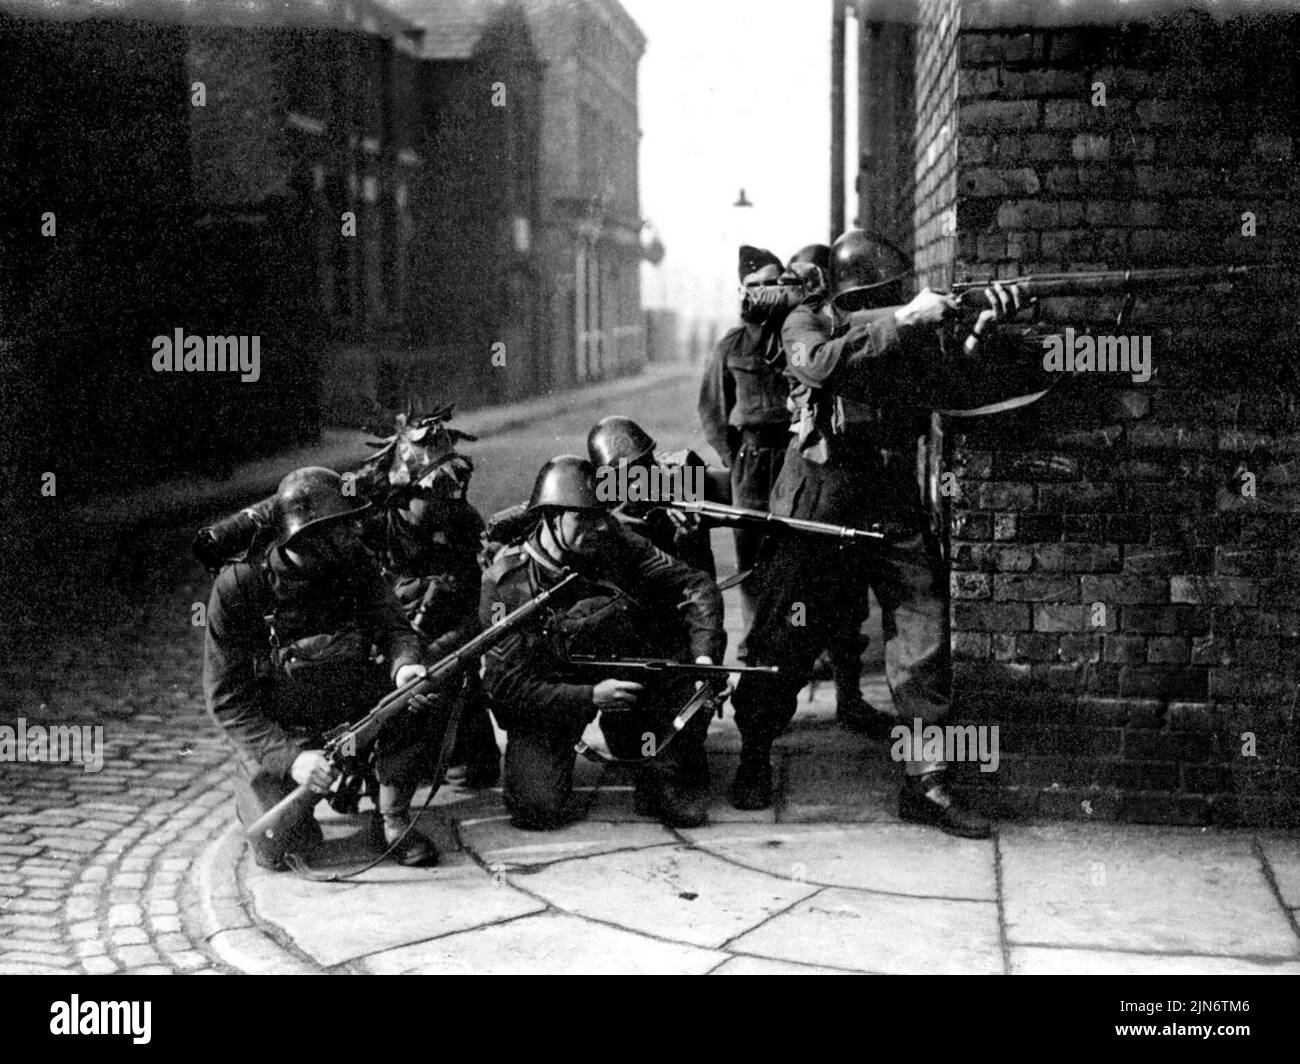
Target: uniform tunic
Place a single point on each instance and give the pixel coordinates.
(634, 600)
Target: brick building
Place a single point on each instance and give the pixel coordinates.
(590, 226)
(1125, 556)
(216, 211)
(476, 278)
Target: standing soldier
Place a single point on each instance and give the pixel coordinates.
(426, 536)
(632, 600)
(810, 267)
(852, 382)
(742, 402)
(288, 655)
(615, 442)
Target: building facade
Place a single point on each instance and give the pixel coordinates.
(589, 238)
(1125, 553)
(475, 312)
(193, 167)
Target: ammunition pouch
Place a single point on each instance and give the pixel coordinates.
(321, 656)
(602, 626)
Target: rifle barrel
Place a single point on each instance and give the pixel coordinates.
(738, 515)
(663, 666)
(1047, 285)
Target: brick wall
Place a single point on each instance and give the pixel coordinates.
(1122, 608)
(934, 218)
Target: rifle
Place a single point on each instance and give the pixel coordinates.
(651, 667)
(1103, 282)
(348, 740)
(738, 516)
(1129, 283)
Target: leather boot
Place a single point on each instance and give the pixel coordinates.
(925, 800)
(683, 805)
(752, 787)
(854, 713)
(414, 848)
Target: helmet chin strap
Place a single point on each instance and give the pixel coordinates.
(552, 523)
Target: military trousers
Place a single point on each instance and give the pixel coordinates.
(754, 472)
(540, 757)
(406, 751)
(807, 594)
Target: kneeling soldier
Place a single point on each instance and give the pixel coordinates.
(288, 656)
(632, 599)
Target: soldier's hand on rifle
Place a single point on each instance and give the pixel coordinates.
(721, 684)
(1005, 302)
(615, 694)
(928, 307)
(405, 675)
(312, 769)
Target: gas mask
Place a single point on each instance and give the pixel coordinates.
(762, 303)
(327, 556)
(810, 277)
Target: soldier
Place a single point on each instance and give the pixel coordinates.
(288, 656)
(742, 403)
(633, 600)
(618, 444)
(855, 388)
(810, 267)
(426, 536)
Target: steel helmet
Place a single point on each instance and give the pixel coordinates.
(817, 254)
(866, 271)
(566, 482)
(618, 439)
(811, 267)
(310, 497)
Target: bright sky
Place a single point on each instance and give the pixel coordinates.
(733, 93)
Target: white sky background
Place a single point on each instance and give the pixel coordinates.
(732, 93)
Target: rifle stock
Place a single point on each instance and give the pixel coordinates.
(350, 740)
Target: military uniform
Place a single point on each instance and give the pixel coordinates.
(287, 657)
(847, 460)
(436, 577)
(742, 408)
(634, 600)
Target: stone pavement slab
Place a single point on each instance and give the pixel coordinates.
(1283, 855)
(891, 858)
(861, 931)
(387, 907)
(1033, 960)
(761, 966)
(545, 944)
(669, 892)
(853, 786)
(1163, 890)
(497, 843)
